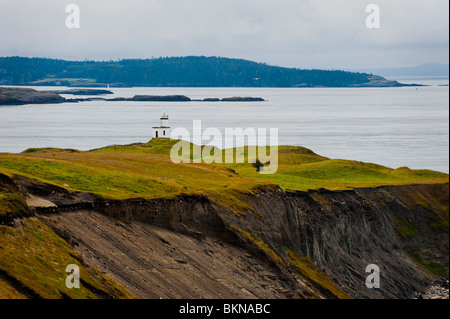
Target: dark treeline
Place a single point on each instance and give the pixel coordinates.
(173, 71)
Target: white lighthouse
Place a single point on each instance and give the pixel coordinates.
(163, 130)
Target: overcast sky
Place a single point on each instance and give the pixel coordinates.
(328, 34)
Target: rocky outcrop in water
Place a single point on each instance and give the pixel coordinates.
(242, 99)
(19, 96)
(157, 98)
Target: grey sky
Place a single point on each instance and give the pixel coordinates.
(296, 33)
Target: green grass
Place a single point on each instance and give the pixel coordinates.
(404, 226)
(262, 245)
(440, 219)
(340, 174)
(435, 268)
(37, 258)
(311, 272)
(146, 170)
(8, 292)
(35, 255)
(11, 203)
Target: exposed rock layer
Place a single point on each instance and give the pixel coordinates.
(190, 247)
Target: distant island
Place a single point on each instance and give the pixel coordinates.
(80, 91)
(20, 96)
(192, 71)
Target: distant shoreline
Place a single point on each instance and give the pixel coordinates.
(190, 71)
(373, 84)
(21, 96)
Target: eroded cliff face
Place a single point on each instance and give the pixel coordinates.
(343, 232)
(289, 245)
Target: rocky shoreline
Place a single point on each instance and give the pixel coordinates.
(20, 96)
(438, 290)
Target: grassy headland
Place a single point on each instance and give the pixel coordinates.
(34, 256)
(146, 171)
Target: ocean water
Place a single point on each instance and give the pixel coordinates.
(389, 126)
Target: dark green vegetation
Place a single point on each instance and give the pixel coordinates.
(11, 202)
(175, 72)
(435, 267)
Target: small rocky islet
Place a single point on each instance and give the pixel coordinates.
(20, 96)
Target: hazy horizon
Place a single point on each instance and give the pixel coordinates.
(308, 34)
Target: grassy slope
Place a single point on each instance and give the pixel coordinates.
(36, 257)
(145, 170)
(11, 203)
(309, 270)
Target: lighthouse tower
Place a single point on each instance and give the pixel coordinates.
(163, 130)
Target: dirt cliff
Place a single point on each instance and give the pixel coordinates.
(313, 244)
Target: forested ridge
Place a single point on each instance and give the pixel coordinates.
(192, 71)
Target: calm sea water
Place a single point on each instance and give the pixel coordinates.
(389, 126)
